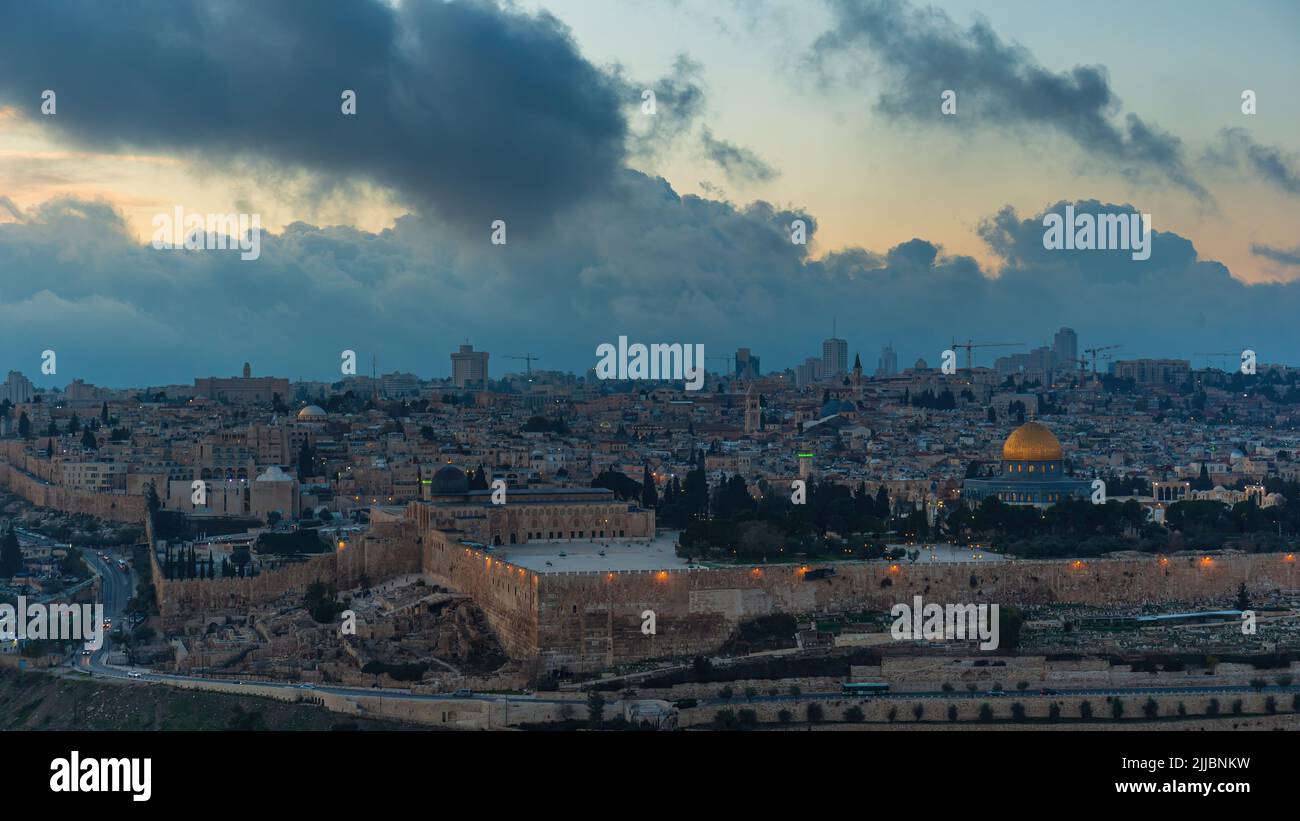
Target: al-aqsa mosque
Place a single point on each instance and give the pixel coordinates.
(1032, 472)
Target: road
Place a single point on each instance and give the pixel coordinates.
(1208, 690)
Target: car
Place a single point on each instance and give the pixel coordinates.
(463, 692)
(997, 691)
(306, 686)
(133, 674)
(85, 652)
(1048, 691)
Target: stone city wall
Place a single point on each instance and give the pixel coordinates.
(18, 473)
(184, 600)
(588, 621)
(507, 594)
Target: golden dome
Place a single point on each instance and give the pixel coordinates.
(1031, 442)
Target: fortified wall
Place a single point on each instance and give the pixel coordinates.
(388, 550)
(25, 475)
(587, 621)
(507, 594)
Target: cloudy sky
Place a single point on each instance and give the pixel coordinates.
(665, 227)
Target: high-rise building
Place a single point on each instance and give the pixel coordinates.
(746, 364)
(808, 373)
(246, 388)
(16, 388)
(469, 368)
(888, 365)
(1065, 349)
(835, 357)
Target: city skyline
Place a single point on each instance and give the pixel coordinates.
(671, 226)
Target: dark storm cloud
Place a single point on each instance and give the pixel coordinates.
(737, 162)
(465, 110)
(922, 52)
(637, 260)
(1266, 162)
(679, 102)
(1283, 256)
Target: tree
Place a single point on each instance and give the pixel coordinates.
(11, 555)
(649, 496)
(854, 715)
(151, 499)
(74, 424)
(88, 440)
(1150, 708)
(103, 413)
(595, 708)
(882, 504)
(305, 461)
(1243, 599)
(24, 426)
(815, 713)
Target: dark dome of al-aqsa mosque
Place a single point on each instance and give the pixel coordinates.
(449, 481)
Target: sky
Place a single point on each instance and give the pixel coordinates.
(663, 226)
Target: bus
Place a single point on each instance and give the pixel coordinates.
(864, 688)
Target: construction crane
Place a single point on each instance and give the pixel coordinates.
(971, 346)
(731, 368)
(528, 359)
(1226, 354)
(1094, 351)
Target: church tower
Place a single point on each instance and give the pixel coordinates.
(856, 379)
(753, 411)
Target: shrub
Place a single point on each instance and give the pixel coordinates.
(853, 715)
